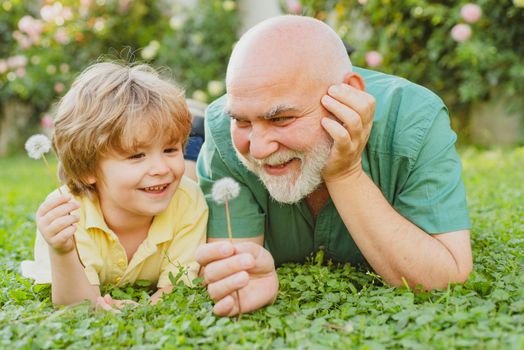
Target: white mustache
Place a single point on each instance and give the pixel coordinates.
(277, 158)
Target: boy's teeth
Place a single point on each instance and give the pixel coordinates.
(154, 188)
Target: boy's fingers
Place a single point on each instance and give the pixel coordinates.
(63, 236)
(59, 211)
(52, 202)
(61, 223)
(209, 252)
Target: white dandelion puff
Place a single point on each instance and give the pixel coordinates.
(225, 189)
(37, 145)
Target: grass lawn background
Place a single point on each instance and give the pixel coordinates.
(319, 306)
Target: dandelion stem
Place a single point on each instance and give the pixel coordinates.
(51, 173)
(230, 235)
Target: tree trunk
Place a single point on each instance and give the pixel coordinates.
(15, 117)
(497, 122)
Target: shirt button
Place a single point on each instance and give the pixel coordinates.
(121, 263)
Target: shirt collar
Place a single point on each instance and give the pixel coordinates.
(159, 231)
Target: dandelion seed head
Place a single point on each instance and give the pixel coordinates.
(37, 145)
(225, 189)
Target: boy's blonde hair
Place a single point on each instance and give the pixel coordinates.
(107, 107)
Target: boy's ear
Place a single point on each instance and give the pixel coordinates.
(91, 179)
(355, 80)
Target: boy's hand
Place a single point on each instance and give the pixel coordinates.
(246, 267)
(56, 224)
(107, 303)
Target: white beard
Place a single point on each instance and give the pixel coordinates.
(296, 184)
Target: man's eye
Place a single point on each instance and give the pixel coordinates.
(282, 120)
(242, 123)
(137, 156)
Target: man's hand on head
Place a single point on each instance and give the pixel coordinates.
(353, 109)
(246, 267)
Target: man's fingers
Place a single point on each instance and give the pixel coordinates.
(226, 307)
(220, 269)
(264, 261)
(344, 113)
(359, 101)
(220, 289)
(210, 252)
(338, 133)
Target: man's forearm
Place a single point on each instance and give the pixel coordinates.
(69, 281)
(393, 246)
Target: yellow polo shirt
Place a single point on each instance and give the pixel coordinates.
(170, 244)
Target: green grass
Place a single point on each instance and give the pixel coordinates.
(319, 307)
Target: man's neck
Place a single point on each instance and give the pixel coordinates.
(317, 199)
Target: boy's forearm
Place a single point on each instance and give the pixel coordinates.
(69, 281)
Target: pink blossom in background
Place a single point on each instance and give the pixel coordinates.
(59, 88)
(3, 66)
(461, 32)
(373, 58)
(46, 122)
(123, 5)
(61, 36)
(16, 61)
(294, 6)
(471, 13)
(51, 12)
(32, 27)
(20, 72)
(67, 13)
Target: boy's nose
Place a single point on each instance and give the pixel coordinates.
(158, 166)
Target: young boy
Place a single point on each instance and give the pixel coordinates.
(126, 212)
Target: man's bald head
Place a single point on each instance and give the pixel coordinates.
(290, 46)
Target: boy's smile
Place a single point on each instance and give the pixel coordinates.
(158, 189)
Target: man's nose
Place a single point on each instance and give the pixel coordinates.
(262, 142)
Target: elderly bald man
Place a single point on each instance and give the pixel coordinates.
(356, 163)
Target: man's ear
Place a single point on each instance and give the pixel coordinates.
(355, 80)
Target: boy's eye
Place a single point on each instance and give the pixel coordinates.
(137, 156)
(171, 150)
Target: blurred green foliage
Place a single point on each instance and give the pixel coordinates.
(413, 39)
(45, 44)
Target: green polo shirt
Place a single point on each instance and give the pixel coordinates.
(410, 156)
